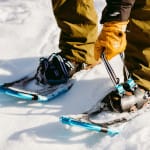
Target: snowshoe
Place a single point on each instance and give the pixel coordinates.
(52, 78)
(123, 98)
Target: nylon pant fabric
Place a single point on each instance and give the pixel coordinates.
(78, 22)
(137, 54)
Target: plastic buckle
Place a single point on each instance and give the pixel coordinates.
(132, 85)
(120, 89)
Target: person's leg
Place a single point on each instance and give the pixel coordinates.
(137, 54)
(78, 21)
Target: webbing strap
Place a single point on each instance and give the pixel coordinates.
(62, 64)
(127, 74)
(110, 70)
(52, 68)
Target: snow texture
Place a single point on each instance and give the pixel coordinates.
(28, 30)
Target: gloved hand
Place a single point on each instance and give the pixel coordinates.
(112, 39)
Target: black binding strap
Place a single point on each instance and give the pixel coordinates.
(53, 70)
(110, 70)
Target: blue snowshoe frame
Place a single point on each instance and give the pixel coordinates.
(21, 93)
(89, 126)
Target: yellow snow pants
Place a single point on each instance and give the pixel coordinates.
(78, 22)
(137, 54)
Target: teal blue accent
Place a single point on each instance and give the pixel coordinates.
(14, 93)
(131, 83)
(37, 97)
(72, 122)
(120, 89)
(56, 93)
(112, 132)
(88, 126)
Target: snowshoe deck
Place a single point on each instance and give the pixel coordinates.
(27, 88)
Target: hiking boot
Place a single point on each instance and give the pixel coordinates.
(56, 69)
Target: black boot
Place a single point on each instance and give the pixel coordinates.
(56, 69)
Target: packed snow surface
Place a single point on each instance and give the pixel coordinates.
(28, 30)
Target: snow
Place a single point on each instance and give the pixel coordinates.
(28, 31)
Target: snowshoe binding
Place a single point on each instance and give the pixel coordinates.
(126, 97)
(52, 78)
